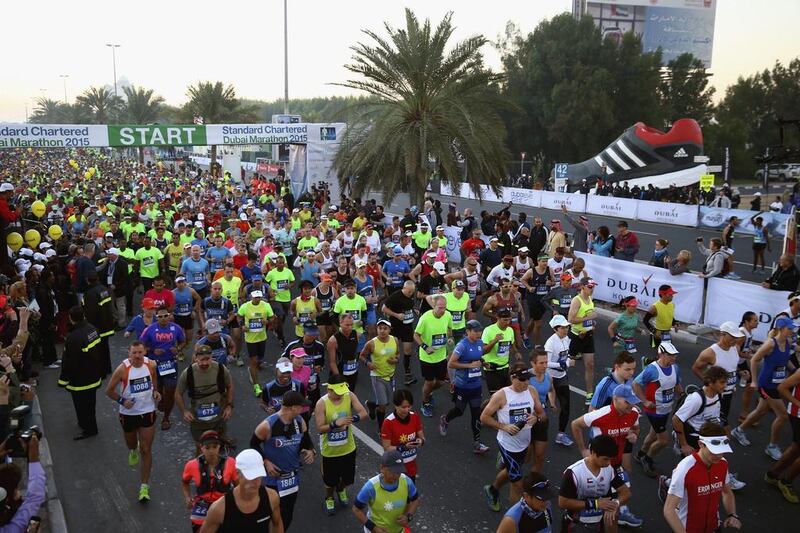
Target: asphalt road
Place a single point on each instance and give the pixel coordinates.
(98, 489)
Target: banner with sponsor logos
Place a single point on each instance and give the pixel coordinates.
(52, 135)
(576, 203)
(622, 208)
(617, 279)
(717, 217)
(728, 300)
(666, 213)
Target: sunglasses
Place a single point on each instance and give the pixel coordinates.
(716, 442)
(523, 376)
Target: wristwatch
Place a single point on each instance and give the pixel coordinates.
(409, 517)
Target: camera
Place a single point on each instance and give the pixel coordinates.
(13, 442)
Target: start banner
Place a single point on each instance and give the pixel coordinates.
(728, 300)
(617, 279)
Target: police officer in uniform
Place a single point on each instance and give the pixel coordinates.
(80, 373)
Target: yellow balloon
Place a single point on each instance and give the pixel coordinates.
(14, 241)
(38, 208)
(72, 162)
(92, 171)
(32, 238)
(55, 232)
(87, 174)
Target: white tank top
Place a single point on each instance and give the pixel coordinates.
(520, 267)
(327, 261)
(473, 282)
(665, 393)
(137, 384)
(728, 360)
(519, 406)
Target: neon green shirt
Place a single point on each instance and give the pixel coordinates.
(281, 283)
(255, 318)
(148, 261)
(356, 306)
(434, 332)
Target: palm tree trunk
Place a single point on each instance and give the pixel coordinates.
(213, 159)
(141, 155)
(417, 192)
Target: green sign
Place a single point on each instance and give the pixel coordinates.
(156, 135)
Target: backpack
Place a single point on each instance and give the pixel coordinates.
(613, 245)
(690, 389)
(221, 387)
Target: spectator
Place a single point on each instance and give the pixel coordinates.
(716, 262)
(84, 265)
(680, 265)
(580, 235)
(627, 243)
(755, 203)
(6, 215)
(660, 257)
(16, 513)
(601, 244)
(721, 201)
(777, 205)
(538, 239)
(786, 277)
(556, 238)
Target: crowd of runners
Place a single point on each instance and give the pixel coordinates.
(307, 296)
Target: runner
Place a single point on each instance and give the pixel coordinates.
(390, 498)
(197, 271)
(210, 389)
(341, 349)
(518, 409)
(164, 340)
(137, 398)
(283, 440)
(365, 287)
(187, 304)
(560, 297)
(621, 374)
(402, 431)
(543, 383)
(532, 514)
(334, 415)
(537, 282)
(213, 475)
(508, 299)
(314, 357)
(471, 277)
(624, 327)
(273, 391)
(380, 355)
(583, 317)
(395, 270)
(786, 469)
(663, 311)
(558, 360)
(255, 314)
(218, 307)
(399, 307)
(223, 348)
(326, 294)
(467, 362)
(280, 279)
(356, 306)
(457, 305)
(498, 342)
(433, 334)
(304, 308)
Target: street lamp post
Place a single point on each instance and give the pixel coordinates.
(285, 59)
(64, 78)
(522, 163)
(114, 61)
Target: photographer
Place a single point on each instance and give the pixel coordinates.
(16, 513)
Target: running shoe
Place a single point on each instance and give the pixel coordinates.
(443, 423)
(526, 341)
(427, 410)
(133, 457)
(627, 518)
(788, 492)
(491, 500)
(257, 390)
(239, 361)
(410, 379)
(773, 451)
(330, 507)
(740, 436)
(144, 493)
(663, 488)
(732, 275)
(181, 356)
(344, 501)
(769, 480)
(563, 439)
(53, 366)
(648, 466)
(479, 448)
(734, 482)
(371, 409)
(588, 401)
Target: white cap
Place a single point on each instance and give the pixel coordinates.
(243, 216)
(273, 255)
(38, 268)
(558, 321)
(6, 187)
(201, 216)
(45, 245)
(731, 329)
(668, 347)
(250, 463)
(198, 224)
(50, 253)
(523, 250)
(439, 267)
(717, 445)
(39, 257)
(109, 234)
(256, 294)
(112, 251)
(284, 365)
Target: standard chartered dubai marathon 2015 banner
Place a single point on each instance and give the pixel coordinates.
(130, 135)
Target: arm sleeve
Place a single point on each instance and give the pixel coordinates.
(617, 481)
(568, 487)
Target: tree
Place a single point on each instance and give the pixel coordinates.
(216, 104)
(103, 105)
(685, 92)
(141, 107)
(47, 111)
(430, 106)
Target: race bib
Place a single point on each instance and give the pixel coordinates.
(474, 373)
(288, 483)
(338, 437)
(255, 324)
(326, 304)
(148, 261)
(457, 315)
(562, 357)
(541, 290)
(165, 368)
(779, 374)
(350, 367)
(408, 316)
(142, 384)
(200, 509)
(182, 309)
(356, 315)
(438, 340)
(283, 284)
(732, 379)
(588, 324)
(199, 277)
(503, 348)
(207, 412)
(409, 454)
(565, 302)
(667, 395)
(518, 415)
(666, 336)
(630, 345)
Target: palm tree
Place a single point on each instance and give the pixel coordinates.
(216, 104)
(47, 111)
(141, 107)
(103, 105)
(430, 106)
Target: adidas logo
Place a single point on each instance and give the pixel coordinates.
(680, 153)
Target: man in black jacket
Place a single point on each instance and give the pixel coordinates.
(46, 300)
(785, 278)
(538, 238)
(116, 277)
(100, 313)
(79, 371)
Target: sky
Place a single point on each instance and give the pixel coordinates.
(169, 45)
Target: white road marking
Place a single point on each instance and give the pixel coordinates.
(369, 441)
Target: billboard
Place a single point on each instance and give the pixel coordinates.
(675, 26)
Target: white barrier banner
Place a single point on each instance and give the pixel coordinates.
(666, 213)
(717, 217)
(526, 197)
(728, 300)
(621, 208)
(453, 234)
(576, 203)
(466, 192)
(617, 279)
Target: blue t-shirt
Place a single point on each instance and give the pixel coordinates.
(202, 243)
(136, 326)
(155, 336)
(217, 256)
(468, 378)
(184, 302)
(395, 270)
(542, 387)
(196, 272)
(248, 272)
(604, 391)
(528, 520)
(282, 449)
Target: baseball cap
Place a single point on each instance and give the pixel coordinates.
(666, 290)
(256, 294)
(112, 251)
(785, 322)
(284, 365)
(457, 284)
(6, 187)
(536, 485)
(558, 321)
(293, 398)
(148, 303)
(213, 326)
(474, 325)
(384, 322)
(187, 246)
(339, 388)
(250, 463)
(523, 250)
(732, 329)
(109, 234)
(310, 328)
(494, 239)
(717, 444)
(397, 250)
(439, 267)
(393, 460)
(210, 436)
(626, 393)
(668, 347)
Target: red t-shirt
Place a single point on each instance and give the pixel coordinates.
(607, 421)
(700, 489)
(402, 432)
(162, 297)
(191, 474)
